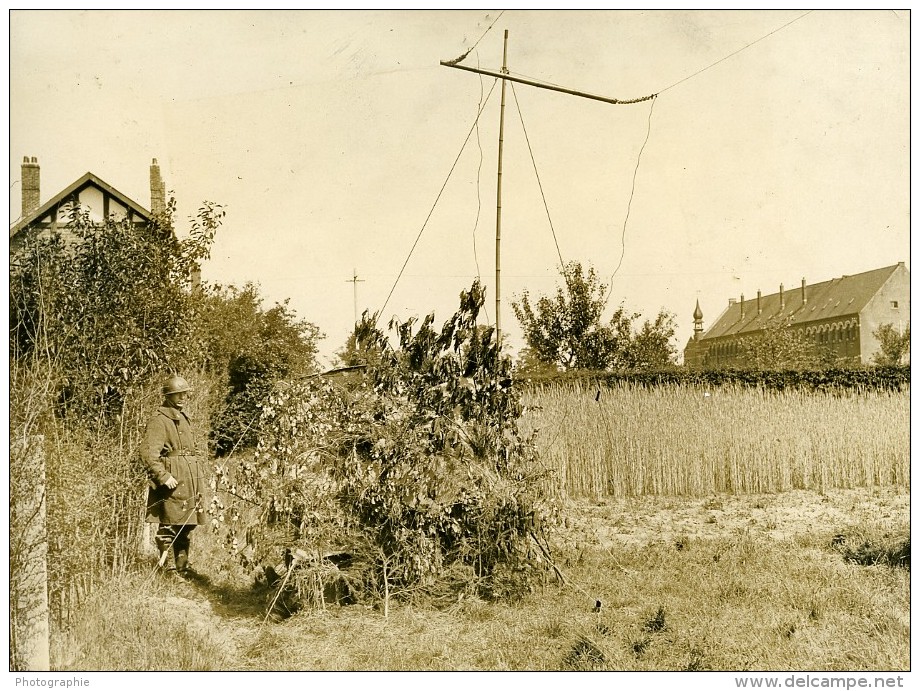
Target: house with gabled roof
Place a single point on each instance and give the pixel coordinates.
(839, 316)
(94, 196)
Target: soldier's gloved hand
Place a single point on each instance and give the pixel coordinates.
(172, 482)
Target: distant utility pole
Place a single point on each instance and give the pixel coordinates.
(506, 77)
(354, 280)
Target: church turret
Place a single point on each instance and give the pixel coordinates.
(697, 322)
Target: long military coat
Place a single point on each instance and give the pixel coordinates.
(169, 448)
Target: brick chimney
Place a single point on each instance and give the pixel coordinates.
(759, 308)
(742, 305)
(157, 190)
(782, 298)
(804, 299)
(31, 187)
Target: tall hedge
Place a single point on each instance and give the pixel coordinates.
(889, 378)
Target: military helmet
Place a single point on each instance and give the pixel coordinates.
(175, 384)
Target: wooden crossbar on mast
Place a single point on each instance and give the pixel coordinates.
(506, 77)
(550, 87)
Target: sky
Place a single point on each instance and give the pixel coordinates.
(777, 148)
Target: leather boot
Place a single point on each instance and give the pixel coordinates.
(163, 541)
(180, 551)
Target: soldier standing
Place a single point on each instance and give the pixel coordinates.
(174, 498)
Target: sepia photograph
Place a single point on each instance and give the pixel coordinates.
(444, 341)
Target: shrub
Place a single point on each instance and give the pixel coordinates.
(98, 312)
(886, 378)
(249, 348)
(417, 468)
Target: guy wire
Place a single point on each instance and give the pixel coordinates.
(437, 199)
(537, 173)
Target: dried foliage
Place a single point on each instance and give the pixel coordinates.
(415, 468)
(98, 311)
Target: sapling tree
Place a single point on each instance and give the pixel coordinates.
(894, 345)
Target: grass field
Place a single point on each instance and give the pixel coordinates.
(679, 441)
(724, 583)
(737, 531)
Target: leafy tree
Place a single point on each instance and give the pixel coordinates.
(780, 347)
(108, 303)
(252, 348)
(894, 347)
(567, 331)
(652, 346)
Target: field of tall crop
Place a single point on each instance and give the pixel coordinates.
(688, 441)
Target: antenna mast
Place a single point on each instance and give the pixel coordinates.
(498, 210)
(506, 77)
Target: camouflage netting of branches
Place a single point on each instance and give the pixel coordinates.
(415, 467)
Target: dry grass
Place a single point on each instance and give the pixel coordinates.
(749, 596)
(683, 441)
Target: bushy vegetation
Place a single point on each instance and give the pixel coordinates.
(831, 380)
(567, 331)
(248, 348)
(97, 311)
(894, 345)
(105, 304)
(778, 347)
(100, 312)
(416, 468)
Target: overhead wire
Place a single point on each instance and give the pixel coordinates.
(460, 59)
(437, 199)
(648, 132)
(478, 199)
(632, 193)
(652, 97)
(681, 81)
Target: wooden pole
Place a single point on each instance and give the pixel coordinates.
(29, 624)
(354, 280)
(498, 211)
(506, 77)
